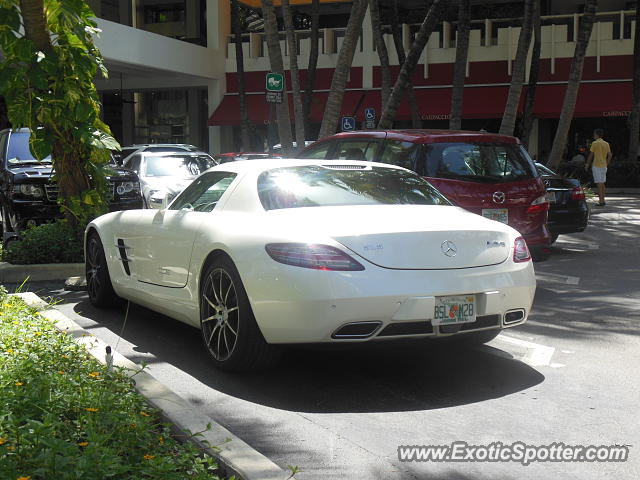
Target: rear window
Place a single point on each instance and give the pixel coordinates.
(477, 162)
(318, 186)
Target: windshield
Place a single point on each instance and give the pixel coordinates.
(319, 186)
(178, 165)
(18, 151)
(479, 162)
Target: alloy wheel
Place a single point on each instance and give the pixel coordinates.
(220, 314)
(94, 265)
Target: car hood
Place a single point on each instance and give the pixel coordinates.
(167, 184)
(405, 236)
(33, 173)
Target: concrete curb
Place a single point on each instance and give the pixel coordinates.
(234, 456)
(10, 273)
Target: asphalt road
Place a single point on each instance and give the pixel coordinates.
(569, 375)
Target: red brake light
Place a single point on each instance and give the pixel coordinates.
(521, 251)
(577, 193)
(319, 257)
(539, 205)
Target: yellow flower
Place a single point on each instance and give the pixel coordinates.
(19, 384)
(24, 477)
(149, 457)
(11, 448)
(83, 444)
(61, 372)
(6, 305)
(10, 350)
(65, 356)
(161, 440)
(132, 425)
(144, 414)
(94, 374)
(3, 440)
(91, 409)
(37, 334)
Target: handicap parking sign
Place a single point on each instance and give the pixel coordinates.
(369, 113)
(348, 124)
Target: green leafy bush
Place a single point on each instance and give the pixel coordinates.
(64, 416)
(622, 173)
(49, 243)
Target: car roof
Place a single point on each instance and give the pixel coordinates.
(248, 166)
(185, 153)
(428, 136)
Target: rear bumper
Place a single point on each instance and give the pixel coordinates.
(297, 305)
(568, 219)
(540, 237)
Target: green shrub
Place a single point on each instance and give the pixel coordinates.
(64, 416)
(622, 173)
(49, 243)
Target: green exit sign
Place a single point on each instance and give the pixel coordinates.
(275, 82)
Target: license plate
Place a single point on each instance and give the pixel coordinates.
(551, 197)
(454, 309)
(497, 214)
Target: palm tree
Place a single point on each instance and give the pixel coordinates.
(295, 77)
(313, 61)
(397, 40)
(634, 117)
(409, 65)
(381, 47)
(517, 75)
(277, 66)
(575, 75)
(534, 70)
(460, 66)
(245, 124)
(343, 65)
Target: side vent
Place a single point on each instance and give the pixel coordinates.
(122, 248)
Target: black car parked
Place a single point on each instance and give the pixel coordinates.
(28, 195)
(568, 211)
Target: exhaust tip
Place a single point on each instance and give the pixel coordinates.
(357, 330)
(514, 316)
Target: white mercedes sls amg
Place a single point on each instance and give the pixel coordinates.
(257, 254)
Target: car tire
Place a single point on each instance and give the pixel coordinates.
(473, 339)
(7, 224)
(99, 287)
(229, 329)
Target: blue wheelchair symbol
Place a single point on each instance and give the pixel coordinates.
(369, 113)
(348, 124)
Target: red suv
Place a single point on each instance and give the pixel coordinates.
(488, 174)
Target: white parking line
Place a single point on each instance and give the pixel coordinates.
(555, 278)
(536, 355)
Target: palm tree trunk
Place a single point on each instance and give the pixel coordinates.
(295, 76)
(534, 70)
(634, 117)
(313, 61)
(277, 66)
(460, 66)
(575, 75)
(517, 75)
(343, 65)
(409, 65)
(245, 124)
(381, 47)
(416, 122)
(71, 173)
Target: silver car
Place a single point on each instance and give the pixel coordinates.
(164, 175)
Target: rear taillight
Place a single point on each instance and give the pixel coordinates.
(540, 204)
(577, 193)
(307, 255)
(521, 251)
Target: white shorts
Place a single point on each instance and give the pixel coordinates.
(599, 174)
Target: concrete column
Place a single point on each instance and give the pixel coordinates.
(214, 97)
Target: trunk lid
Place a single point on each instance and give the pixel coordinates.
(420, 237)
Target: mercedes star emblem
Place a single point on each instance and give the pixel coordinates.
(449, 248)
(499, 197)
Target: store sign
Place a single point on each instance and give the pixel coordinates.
(622, 113)
(274, 84)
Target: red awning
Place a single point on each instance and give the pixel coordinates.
(594, 100)
(228, 112)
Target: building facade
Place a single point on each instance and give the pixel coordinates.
(172, 69)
